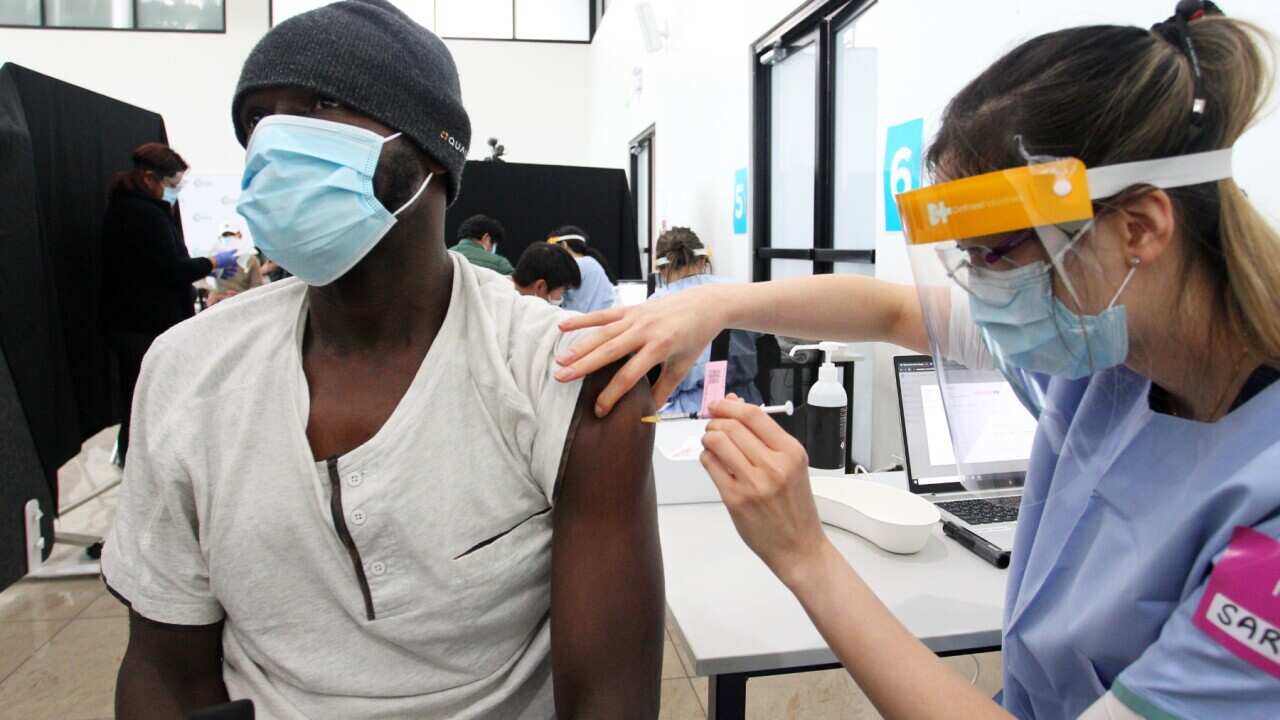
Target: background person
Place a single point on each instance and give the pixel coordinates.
(546, 271)
(478, 239)
(229, 284)
(598, 281)
(682, 264)
(1145, 337)
(147, 269)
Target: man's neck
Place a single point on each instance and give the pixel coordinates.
(395, 298)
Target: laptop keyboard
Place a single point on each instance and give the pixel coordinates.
(984, 512)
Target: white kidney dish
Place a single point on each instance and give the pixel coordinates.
(893, 519)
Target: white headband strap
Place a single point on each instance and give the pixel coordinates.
(1171, 172)
(663, 262)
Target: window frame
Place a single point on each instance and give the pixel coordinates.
(823, 19)
(44, 15)
(593, 24)
(646, 139)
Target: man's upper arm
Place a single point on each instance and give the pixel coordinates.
(169, 671)
(607, 598)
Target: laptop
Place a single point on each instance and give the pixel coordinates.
(930, 460)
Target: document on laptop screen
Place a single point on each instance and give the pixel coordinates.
(991, 424)
(992, 428)
(936, 431)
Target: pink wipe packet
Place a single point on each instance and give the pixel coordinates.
(713, 385)
(1241, 605)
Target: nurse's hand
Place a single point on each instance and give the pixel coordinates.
(762, 474)
(671, 331)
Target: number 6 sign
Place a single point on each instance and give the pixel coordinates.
(901, 167)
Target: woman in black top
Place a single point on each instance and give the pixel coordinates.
(148, 272)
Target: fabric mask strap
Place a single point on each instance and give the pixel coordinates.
(416, 195)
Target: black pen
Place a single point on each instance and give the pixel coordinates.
(976, 544)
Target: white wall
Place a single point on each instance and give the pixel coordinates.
(512, 90)
(534, 97)
(698, 93)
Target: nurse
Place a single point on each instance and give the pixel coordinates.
(1083, 235)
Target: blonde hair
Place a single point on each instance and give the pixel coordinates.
(1237, 67)
(1113, 94)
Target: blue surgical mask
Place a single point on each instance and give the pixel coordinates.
(307, 195)
(170, 194)
(1029, 328)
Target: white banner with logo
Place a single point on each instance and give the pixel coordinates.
(208, 204)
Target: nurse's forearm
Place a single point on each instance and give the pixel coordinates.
(902, 677)
(847, 308)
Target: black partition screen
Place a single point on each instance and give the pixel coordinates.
(532, 200)
(59, 146)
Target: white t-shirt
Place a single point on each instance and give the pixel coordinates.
(225, 514)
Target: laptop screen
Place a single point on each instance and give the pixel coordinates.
(980, 399)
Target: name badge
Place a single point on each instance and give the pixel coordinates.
(1241, 605)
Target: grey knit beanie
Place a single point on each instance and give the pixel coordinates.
(374, 59)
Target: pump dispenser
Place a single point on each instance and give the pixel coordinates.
(826, 415)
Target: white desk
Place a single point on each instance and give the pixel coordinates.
(740, 621)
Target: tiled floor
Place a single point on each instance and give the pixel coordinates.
(61, 641)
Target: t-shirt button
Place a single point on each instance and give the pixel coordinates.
(358, 517)
(355, 479)
(378, 567)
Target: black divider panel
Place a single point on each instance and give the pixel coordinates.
(532, 200)
(59, 146)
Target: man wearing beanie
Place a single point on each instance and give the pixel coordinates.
(403, 515)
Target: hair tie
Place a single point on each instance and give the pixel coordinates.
(1176, 30)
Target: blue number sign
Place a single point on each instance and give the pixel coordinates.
(740, 202)
(901, 167)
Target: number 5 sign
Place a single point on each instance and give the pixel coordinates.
(901, 167)
(740, 202)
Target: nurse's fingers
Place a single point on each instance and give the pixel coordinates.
(632, 372)
(720, 475)
(751, 446)
(724, 450)
(592, 352)
(593, 319)
(672, 374)
(755, 418)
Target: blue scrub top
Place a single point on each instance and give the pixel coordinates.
(687, 397)
(1124, 513)
(596, 292)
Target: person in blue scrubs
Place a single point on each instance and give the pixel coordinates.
(597, 291)
(1145, 579)
(682, 263)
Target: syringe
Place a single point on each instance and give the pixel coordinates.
(786, 408)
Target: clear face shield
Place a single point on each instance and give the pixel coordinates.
(1021, 280)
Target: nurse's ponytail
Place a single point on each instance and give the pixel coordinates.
(1113, 94)
(1235, 65)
